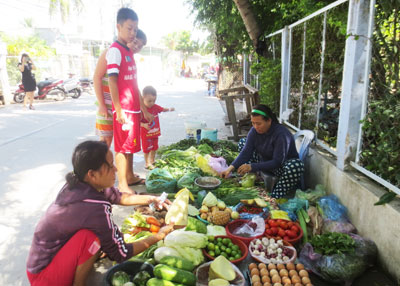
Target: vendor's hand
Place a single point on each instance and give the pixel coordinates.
(225, 174)
(244, 169)
(165, 230)
(161, 205)
(103, 111)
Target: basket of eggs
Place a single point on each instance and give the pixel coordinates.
(262, 274)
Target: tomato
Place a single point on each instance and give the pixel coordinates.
(274, 230)
(290, 223)
(283, 225)
(267, 226)
(269, 232)
(295, 228)
(281, 232)
(292, 234)
(272, 223)
(286, 238)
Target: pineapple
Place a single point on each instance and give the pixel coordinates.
(221, 218)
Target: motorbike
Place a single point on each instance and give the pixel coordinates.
(86, 84)
(72, 87)
(48, 88)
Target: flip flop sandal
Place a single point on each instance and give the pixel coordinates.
(139, 182)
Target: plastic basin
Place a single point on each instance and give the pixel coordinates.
(231, 226)
(242, 246)
(130, 267)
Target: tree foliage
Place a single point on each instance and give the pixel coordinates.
(181, 41)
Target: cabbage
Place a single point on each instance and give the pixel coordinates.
(215, 230)
(165, 251)
(210, 200)
(186, 239)
(194, 255)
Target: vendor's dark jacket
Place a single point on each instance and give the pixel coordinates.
(274, 147)
(80, 207)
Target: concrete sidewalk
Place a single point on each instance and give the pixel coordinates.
(36, 148)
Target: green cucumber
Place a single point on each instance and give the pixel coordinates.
(177, 262)
(160, 282)
(166, 272)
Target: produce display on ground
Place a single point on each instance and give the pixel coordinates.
(234, 233)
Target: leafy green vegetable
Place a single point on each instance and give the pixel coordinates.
(248, 180)
(141, 278)
(119, 278)
(333, 243)
(232, 196)
(205, 149)
(196, 225)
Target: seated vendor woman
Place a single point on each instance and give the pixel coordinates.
(277, 152)
(78, 225)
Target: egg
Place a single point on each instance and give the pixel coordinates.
(254, 271)
(265, 279)
(252, 266)
(303, 273)
(298, 284)
(264, 272)
(296, 279)
(286, 280)
(257, 284)
(271, 266)
(305, 280)
(273, 272)
(283, 272)
(267, 284)
(299, 267)
(276, 279)
(277, 284)
(290, 266)
(261, 266)
(308, 284)
(280, 266)
(255, 278)
(292, 273)
(287, 284)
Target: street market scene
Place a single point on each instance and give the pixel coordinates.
(193, 143)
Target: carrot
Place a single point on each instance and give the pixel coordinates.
(154, 228)
(153, 220)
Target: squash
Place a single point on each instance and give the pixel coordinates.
(221, 268)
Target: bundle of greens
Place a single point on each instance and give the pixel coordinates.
(180, 145)
(232, 195)
(333, 243)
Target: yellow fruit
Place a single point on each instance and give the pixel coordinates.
(221, 218)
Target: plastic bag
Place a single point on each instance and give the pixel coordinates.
(160, 180)
(312, 195)
(254, 227)
(366, 249)
(218, 164)
(338, 226)
(292, 206)
(202, 274)
(202, 163)
(332, 208)
(187, 181)
(244, 215)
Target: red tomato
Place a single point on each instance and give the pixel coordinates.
(295, 228)
(283, 225)
(274, 230)
(286, 238)
(281, 232)
(290, 223)
(291, 234)
(267, 226)
(269, 232)
(272, 223)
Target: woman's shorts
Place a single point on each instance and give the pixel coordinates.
(61, 270)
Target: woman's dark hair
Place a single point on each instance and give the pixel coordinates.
(88, 155)
(24, 55)
(141, 35)
(266, 110)
(126, 14)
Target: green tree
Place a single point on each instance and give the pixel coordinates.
(33, 45)
(64, 7)
(181, 41)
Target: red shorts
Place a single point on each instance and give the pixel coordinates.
(127, 141)
(149, 144)
(61, 270)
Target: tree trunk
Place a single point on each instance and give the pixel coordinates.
(249, 21)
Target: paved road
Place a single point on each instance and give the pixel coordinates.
(35, 153)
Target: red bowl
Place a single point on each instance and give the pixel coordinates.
(231, 226)
(292, 240)
(242, 246)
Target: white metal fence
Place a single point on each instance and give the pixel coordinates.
(325, 71)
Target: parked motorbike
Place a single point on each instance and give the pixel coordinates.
(72, 87)
(86, 84)
(51, 89)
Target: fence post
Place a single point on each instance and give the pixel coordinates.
(354, 82)
(4, 83)
(285, 72)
